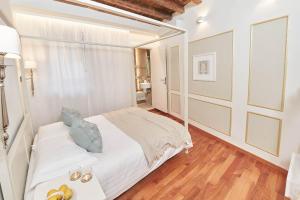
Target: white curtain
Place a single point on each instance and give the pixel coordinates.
(89, 78)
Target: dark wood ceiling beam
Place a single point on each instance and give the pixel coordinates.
(197, 1)
(155, 9)
(136, 8)
(168, 4)
(184, 2)
(180, 2)
(96, 8)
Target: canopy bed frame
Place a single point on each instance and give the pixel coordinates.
(18, 155)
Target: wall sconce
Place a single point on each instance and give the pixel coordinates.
(30, 65)
(9, 48)
(201, 20)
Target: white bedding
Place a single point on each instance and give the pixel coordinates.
(121, 165)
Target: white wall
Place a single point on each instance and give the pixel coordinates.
(222, 16)
(5, 12)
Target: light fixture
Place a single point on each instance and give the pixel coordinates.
(200, 20)
(30, 65)
(9, 48)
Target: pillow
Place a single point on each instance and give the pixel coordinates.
(86, 135)
(69, 115)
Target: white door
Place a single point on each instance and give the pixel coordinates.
(158, 78)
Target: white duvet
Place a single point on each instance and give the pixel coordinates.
(121, 165)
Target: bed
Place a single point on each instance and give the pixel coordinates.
(121, 165)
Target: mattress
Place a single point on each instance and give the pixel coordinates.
(122, 163)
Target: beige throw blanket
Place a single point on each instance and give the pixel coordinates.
(153, 132)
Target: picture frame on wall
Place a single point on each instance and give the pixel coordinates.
(204, 67)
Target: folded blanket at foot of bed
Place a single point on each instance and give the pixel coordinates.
(153, 132)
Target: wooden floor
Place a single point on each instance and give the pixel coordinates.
(212, 170)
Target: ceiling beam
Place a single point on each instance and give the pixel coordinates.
(168, 4)
(184, 2)
(120, 13)
(197, 1)
(136, 8)
(156, 9)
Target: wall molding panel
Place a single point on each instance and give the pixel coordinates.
(174, 68)
(211, 100)
(263, 132)
(211, 115)
(174, 92)
(223, 45)
(175, 103)
(267, 67)
(174, 76)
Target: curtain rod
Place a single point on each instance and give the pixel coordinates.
(75, 42)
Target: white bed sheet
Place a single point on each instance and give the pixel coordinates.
(122, 163)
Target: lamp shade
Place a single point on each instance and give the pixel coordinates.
(9, 42)
(29, 64)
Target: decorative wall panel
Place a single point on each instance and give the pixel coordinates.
(211, 115)
(263, 132)
(175, 103)
(267, 64)
(222, 45)
(174, 69)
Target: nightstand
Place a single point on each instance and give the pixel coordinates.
(81, 191)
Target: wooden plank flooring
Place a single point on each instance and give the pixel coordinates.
(213, 170)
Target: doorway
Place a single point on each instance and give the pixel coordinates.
(143, 78)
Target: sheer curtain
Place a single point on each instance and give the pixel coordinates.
(91, 79)
(110, 71)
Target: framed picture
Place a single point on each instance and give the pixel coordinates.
(204, 67)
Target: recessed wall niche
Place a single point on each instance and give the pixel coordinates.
(267, 64)
(222, 46)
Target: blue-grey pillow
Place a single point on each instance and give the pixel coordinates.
(69, 115)
(86, 135)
